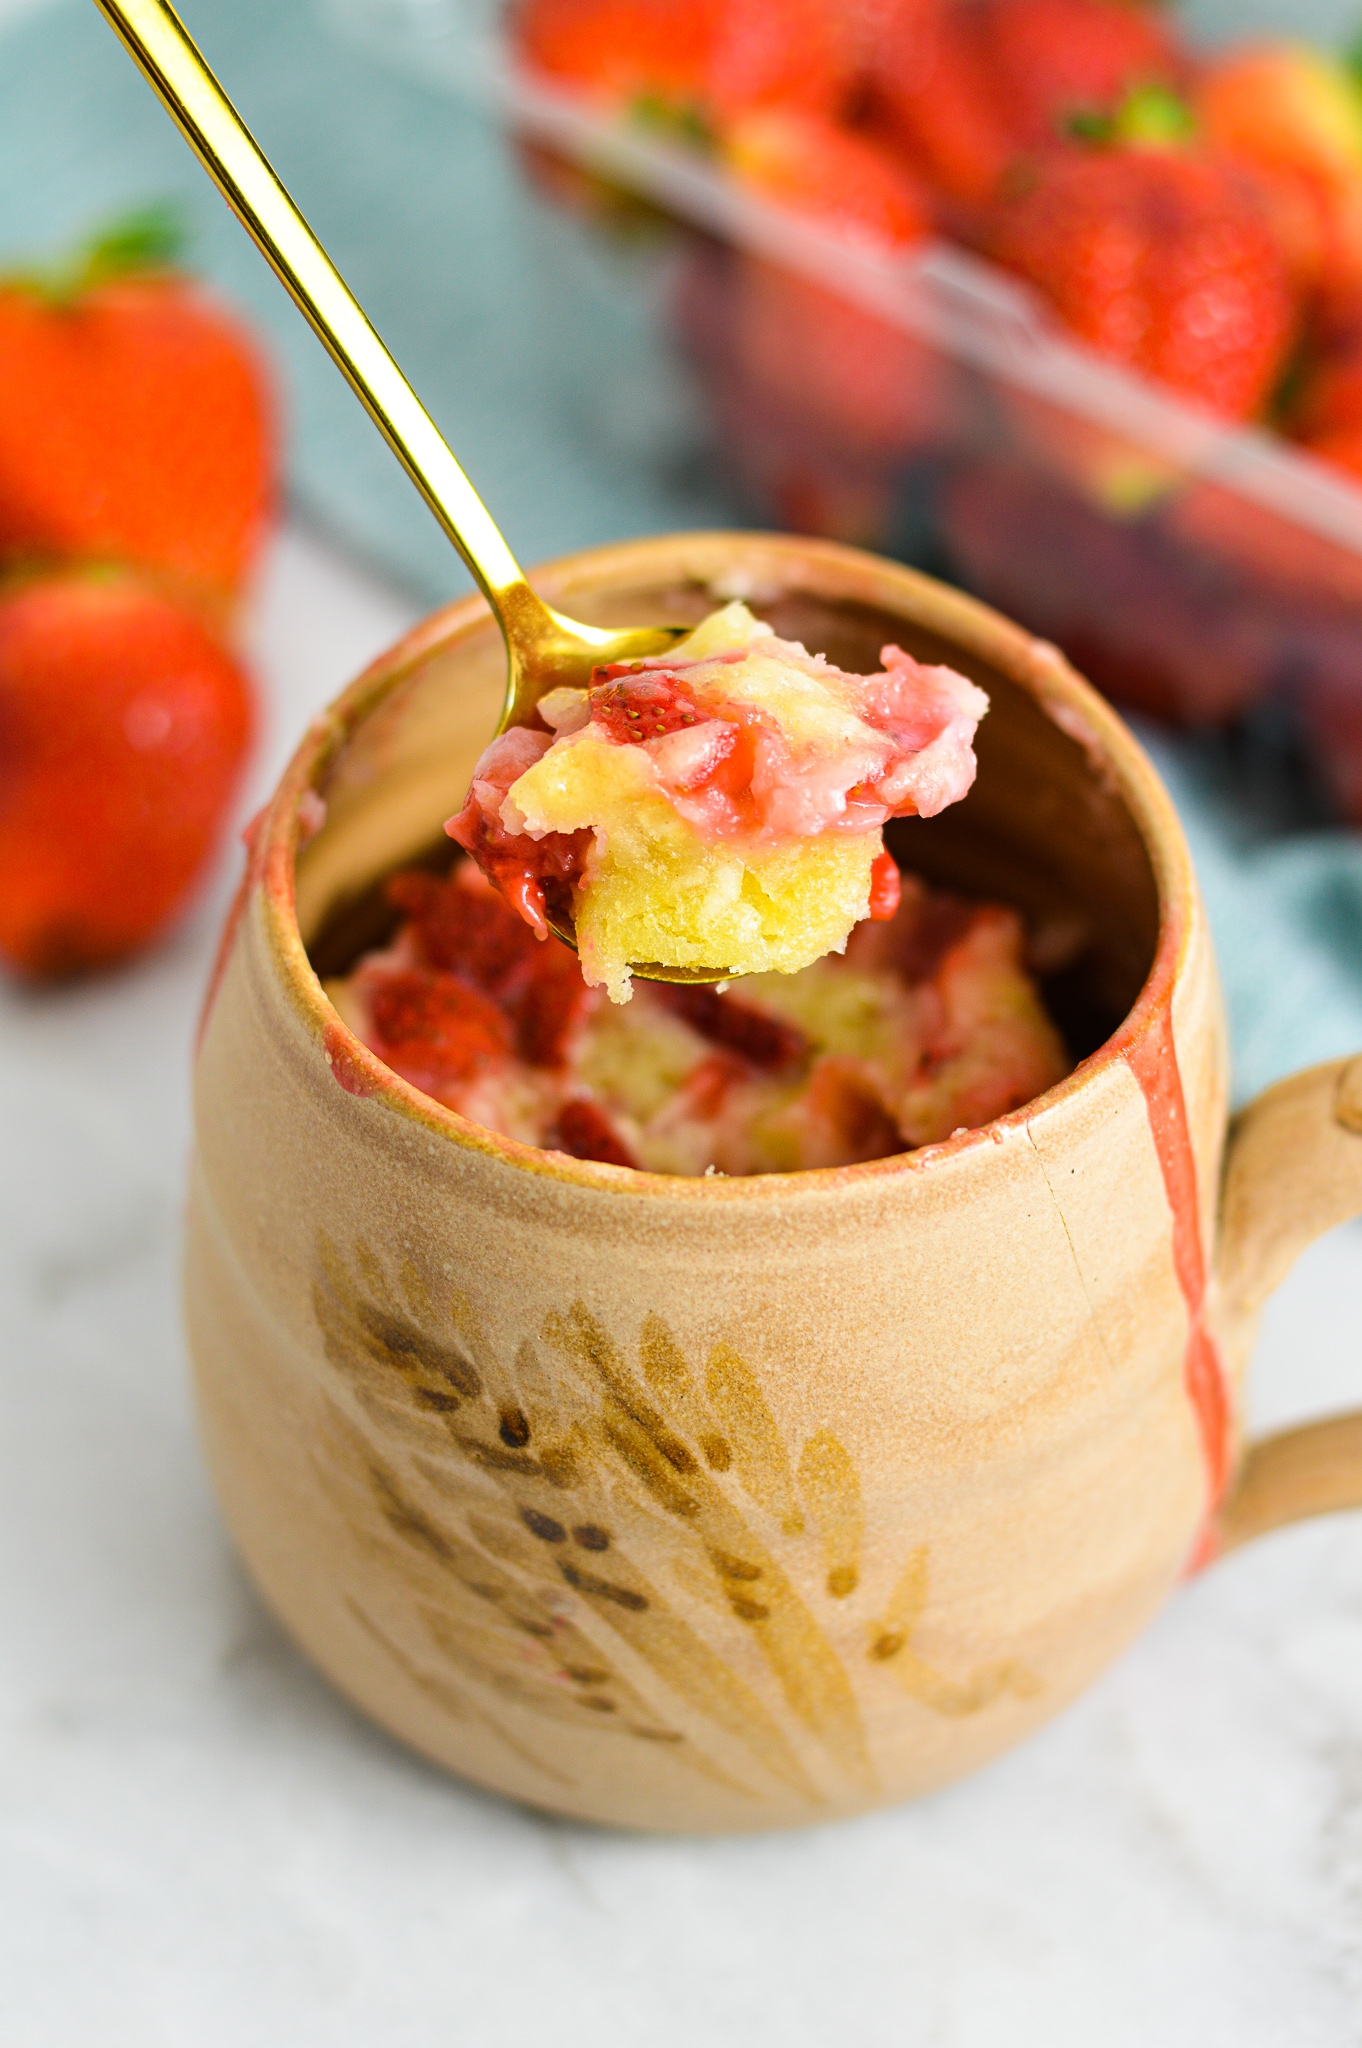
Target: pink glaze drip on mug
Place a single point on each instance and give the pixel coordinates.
(250, 839)
(345, 1067)
(1152, 1059)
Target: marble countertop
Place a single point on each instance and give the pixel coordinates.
(200, 1842)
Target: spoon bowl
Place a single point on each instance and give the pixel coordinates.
(545, 650)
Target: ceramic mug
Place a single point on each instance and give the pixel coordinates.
(720, 1504)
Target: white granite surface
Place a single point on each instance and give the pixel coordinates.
(201, 1846)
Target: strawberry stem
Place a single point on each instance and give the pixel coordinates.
(149, 238)
(1151, 116)
(673, 120)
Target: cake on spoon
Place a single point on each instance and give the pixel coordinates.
(719, 807)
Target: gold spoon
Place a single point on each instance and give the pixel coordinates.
(545, 650)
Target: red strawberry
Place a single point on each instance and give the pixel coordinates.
(123, 728)
(967, 86)
(463, 926)
(136, 423)
(432, 1028)
(1152, 621)
(692, 64)
(1341, 445)
(843, 182)
(930, 90)
(835, 364)
(1051, 62)
(789, 465)
(1159, 258)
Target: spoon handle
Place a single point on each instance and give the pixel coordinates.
(162, 47)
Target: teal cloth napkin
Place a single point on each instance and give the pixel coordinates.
(419, 201)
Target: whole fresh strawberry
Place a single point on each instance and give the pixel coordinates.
(124, 725)
(1051, 64)
(968, 86)
(845, 183)
(1161, 258)
(833, 360)
(136, 423)
(930, 93)
(692, 65)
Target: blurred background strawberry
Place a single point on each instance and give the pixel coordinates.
(820, 397)
(124, 725)
(138, 483)
(693, 65)
(967, 87)
(1160, 257)
(136, 416)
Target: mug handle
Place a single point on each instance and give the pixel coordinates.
(1293, 1169)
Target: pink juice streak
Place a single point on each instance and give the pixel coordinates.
(1152, 1060)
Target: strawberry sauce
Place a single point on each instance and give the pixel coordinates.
(1152, 1059)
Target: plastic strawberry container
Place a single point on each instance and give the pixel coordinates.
(927, 406)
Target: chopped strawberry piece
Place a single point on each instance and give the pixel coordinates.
(632, 703)
(432, 1028)
(764, 1041)
(472, 932)
(546, 1011)
(528, 872)
(913, 943)
(462, 926)
(707, 1087)
(941, 922)
(586, 1132)
(842, 1099)
(885, 887)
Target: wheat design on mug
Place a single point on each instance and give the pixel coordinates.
(621, 1546)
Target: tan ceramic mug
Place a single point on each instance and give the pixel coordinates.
(711, 1504)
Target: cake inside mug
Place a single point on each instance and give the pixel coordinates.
(928, 1023)
(720, 806)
